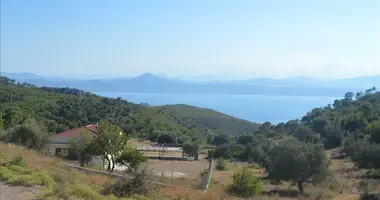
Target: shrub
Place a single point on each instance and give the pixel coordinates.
(364, 153)
(19, 169)
(203, 173)
(3, 159)
(83, 191)
(245, 184)
(221, 165)
(127, 187)
(18, 160)
(367, 196)
(373, 173)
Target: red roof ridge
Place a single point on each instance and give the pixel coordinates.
(75, 132)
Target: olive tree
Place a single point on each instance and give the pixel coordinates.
(109, 143)
(192, 149)
(297, 162)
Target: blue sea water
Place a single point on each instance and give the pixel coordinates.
(255, 108)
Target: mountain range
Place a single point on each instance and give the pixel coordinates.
(150, 83)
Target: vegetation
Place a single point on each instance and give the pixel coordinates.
(28, 134)
(291, 152)
(205, 121)
(29, 168)
(297, 162)
(56, 109)
(245, 184)
(83, 145)
(109, 143)
(138, 184)
(192, 148)
(132, 159)
(221, 164)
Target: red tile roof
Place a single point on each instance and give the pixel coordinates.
(76, 132)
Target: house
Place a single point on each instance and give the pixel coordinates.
(60, 144)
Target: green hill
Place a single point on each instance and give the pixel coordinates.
(205, 121)
(57, 109)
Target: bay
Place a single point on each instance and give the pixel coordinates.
(255, 108)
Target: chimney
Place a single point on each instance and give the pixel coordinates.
(97, 124)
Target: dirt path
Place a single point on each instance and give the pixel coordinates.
(17, 192)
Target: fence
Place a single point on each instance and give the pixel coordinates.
(207, 178)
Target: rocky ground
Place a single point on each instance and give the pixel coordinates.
(18, 192)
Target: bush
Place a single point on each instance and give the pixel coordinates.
(367, 196)
(29, 135)
(221, 165)
(245, 184)
(18, 160)
(3, 160)
(126, 187)
(364, 153)
(373, 173)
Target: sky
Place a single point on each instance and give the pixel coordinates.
(192, 38)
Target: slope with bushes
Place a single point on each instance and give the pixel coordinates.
(56, 109)
(205, 121)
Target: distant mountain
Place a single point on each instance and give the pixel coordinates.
(21, 76)
(205, 121)
(149, 83)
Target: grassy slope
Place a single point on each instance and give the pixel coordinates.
(206, 120)
(60, 181)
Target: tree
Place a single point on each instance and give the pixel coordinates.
(29, 134)
(349, 96)
(265, 127)
(83, 146)
(298, 162)
(109, 143)
(373, 129)
(222, 151)
(364, 153)
(131, 158)
(305, 134)
(166, 138)
(245, 139)
(192, 149)
(359, 95)
(221, 139)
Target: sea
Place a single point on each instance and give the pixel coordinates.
(255, 108)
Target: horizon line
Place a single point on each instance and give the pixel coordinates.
(210, 77)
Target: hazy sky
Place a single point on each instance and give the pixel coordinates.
(251, 38)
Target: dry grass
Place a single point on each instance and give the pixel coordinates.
(343, 187)
(36, 161)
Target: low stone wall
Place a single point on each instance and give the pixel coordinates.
(207, 178)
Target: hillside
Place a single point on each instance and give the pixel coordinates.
(61, 108)
(206, 120)
(57, 109)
